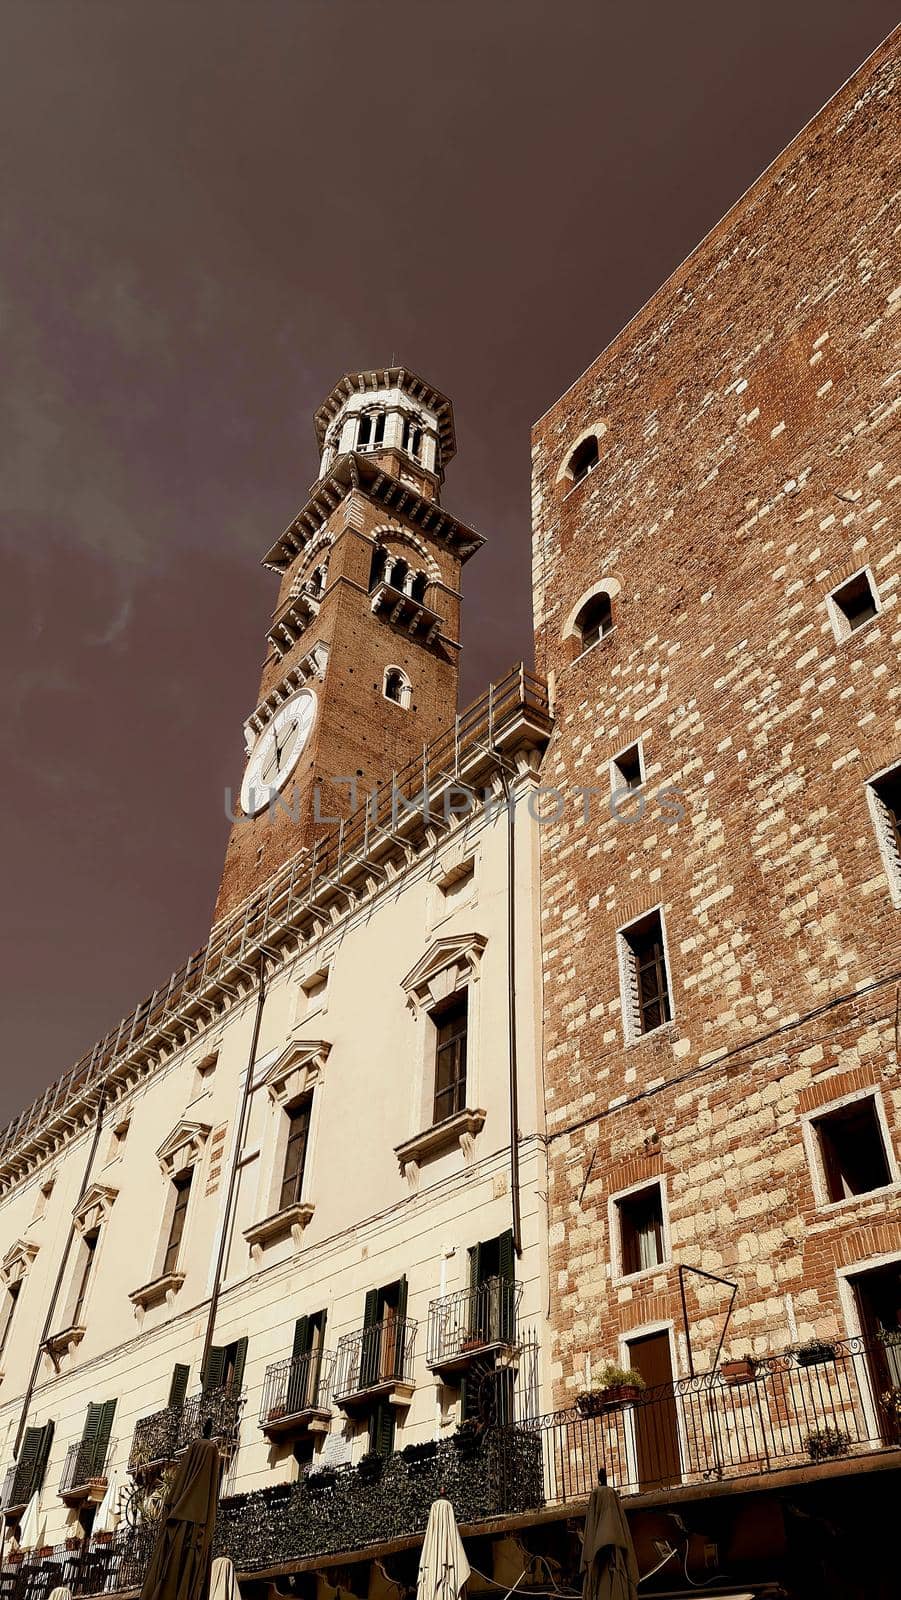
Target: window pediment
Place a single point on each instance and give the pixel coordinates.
(183, 1148)
(296, 1071)
(17, 1261)
(446, 966)
(94, 1207)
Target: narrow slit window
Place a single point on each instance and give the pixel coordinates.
(8, 1311)
(85, 1268)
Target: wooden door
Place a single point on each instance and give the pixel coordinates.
(658, 1456)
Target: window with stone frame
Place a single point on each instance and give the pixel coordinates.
(7, 1312)
(640, 1243)
(884, 799)
(84, 1270)
(451, 1024)
(298, 1118)
(182, 1190)
(583, 460)
(594, 621)
(851, 1149)
(853, 604)
(644, 976)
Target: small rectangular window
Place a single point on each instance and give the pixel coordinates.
(853, 604)
(295, 1153)
(644, 976)
(182, 1187)
(884, 798)
(205, 1072)
(451, 1023)
(42, 1200)
(458, 884)
(851, 1149)
(627, 769)
(639, 1218)
(314, 989)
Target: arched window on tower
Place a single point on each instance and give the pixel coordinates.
(418, 586)
(399, 573)
(584, 458)
(371, 432)
(593, 621)
(377, 567)
(412, 437)
(397, 687)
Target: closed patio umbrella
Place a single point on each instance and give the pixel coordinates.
(61, 1593)
(223, 1583)
(443, 1567)
(34, 1523)
(183, 1553)
(609, 1569)
(109, 1511)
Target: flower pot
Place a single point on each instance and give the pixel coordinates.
(72, 1545)
(275, 1412)
(16, 1557)
(814, 1355)
(103, 1538)
(43, 1554)
(740, 1371)
(594, 1402)
(473, 1341)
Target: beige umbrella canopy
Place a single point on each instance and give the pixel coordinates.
(609, 1568)
(34, 1523)
(223, 1583)
(443, 1567)
(109, 1510)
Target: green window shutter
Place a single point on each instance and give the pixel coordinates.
(178, 1388)
(25, 1468)
(506, 1256)
(475, 1265)
(45, 1445)
(91, 1424)
(370, 1344)
(301, 1337)
(371, 1308)
(214, 1368)
(104, 1430)
(401, 1299)
(240, 1361)
(381, 1430)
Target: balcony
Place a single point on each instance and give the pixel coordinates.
(375, 1364)
(472, 1324)
(403, 611)
(84, 1479)
(19, 1485)
(160, 1437)
(297, 1395)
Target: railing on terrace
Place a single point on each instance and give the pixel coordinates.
(787, 1412)
(473, 1322)
(373, 1358)
(297, 1386)
(84, 1468)
(158, 1438)
(235, 943)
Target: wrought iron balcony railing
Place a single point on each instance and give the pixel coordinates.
(297, 1393)
(474, 1322)
(85, 1471)
(375, 1361)
(158, 1438)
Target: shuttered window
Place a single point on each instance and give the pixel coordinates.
(182, 1187)
(225, 1366)
(85, 1268)
(884, 797)
(95, 1440)
(178, 1388)
(644, 976)
(295, 1152)
(32, 1464)
(450, 1057)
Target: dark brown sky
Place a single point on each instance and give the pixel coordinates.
(211, 210)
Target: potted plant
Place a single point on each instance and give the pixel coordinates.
(814, 1353)
(472, 1341)
(371, 1466)
(275, 1412)
(72, 1543)
(826, 1444)
(741, 1370)
(891, 1403)
(615, 1386)
(103, 1538)
(16, 1557)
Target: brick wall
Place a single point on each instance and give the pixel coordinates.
(749, 462)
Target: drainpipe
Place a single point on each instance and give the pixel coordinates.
(51, 1309)
(235, 1168)
(511, 1011)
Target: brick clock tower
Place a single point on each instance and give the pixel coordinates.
(363, 648)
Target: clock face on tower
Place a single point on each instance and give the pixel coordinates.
(277, 751)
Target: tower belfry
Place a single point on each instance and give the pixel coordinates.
(362, 652)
